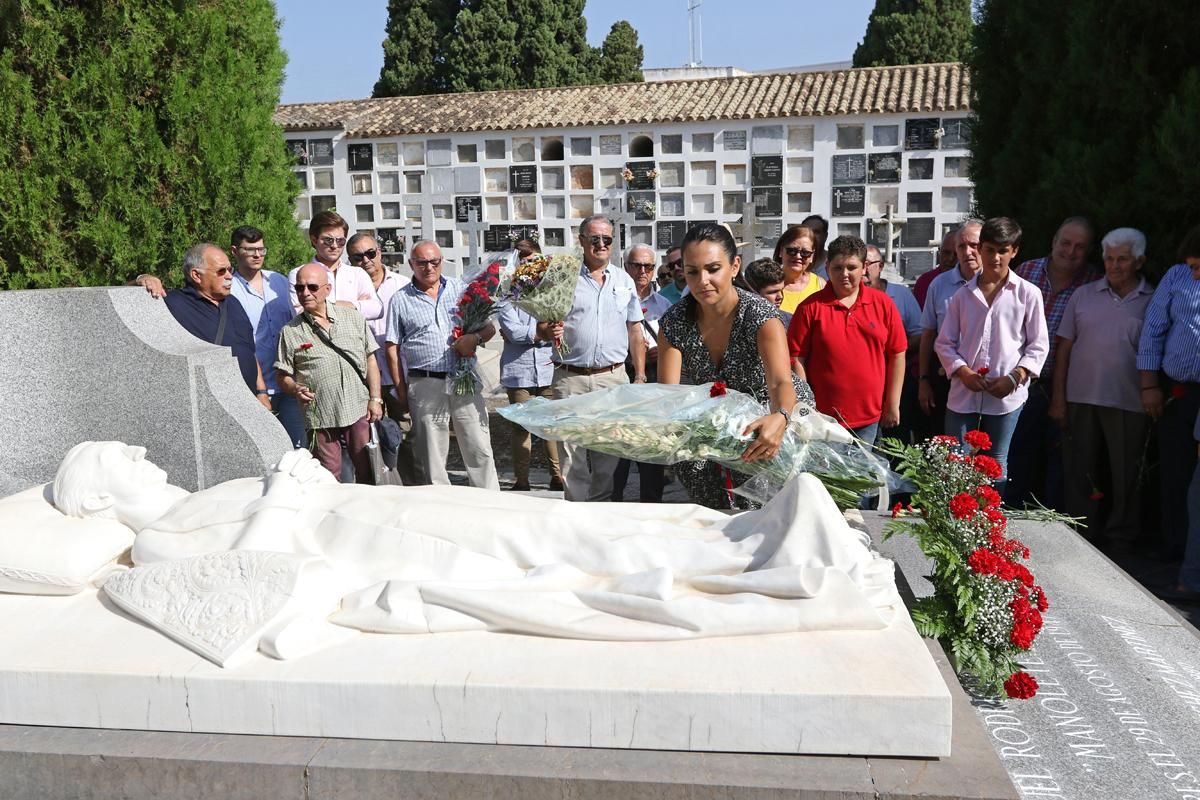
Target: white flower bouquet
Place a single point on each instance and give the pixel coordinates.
(544, 288)
(666, 424)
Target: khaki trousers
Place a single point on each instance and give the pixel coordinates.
(432, 410)
(522, 440)
(587, 475)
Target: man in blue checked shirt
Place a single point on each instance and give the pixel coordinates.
(420, 324)
(1169, 363)
(603, 328)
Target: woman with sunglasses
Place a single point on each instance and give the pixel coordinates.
(795, 252)
(719, 332)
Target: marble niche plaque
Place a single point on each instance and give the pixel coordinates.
(642, 205)
(884, 168)
(921, 134)
(641, 175)
(849, 170)
(522, 179)
(734, 140)
(463, 206)
(361, 157)
(320, 152)
(957, 133)
(466, 180)
(849, 201)
(768, 200)
(610, 145)
(766, 171)
(670, 234)
(298, 148)
(917, 232)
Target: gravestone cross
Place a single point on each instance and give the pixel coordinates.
(473, 227)
(410, 235)
(749, 250)
(620, 219)
(893, 223)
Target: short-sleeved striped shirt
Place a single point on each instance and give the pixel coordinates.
(423, 326)
(341, 396)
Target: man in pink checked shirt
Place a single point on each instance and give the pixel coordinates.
(351, 286)
(992, 342)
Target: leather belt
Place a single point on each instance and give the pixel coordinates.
(424, 373)
(589, 370)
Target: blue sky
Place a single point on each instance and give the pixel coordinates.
(334, 53)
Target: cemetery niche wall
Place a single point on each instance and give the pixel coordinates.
(842, 144)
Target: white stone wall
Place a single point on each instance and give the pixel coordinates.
(705, 174)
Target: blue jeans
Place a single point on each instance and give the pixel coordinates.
(998, 427)
(1189, 573)
(287, 410)
(868, 433)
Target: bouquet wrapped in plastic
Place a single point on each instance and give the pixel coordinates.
(665, 424)
(471, 315)
(544, 288)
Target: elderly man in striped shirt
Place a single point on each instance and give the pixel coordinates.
(420, 325)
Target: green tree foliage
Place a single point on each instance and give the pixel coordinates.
(133, 129)
(1088, 108)
(418, 34)
(620, 55)
(915, 32)
(435, 46)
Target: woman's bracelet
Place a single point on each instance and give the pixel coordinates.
(1014, 381)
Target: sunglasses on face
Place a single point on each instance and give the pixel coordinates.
(311, 288)
(796, 252)
(365, 255)
(675, 263)
(330, 241)
(427, 262)
(598, 241)
(254, 251)
(641, 267)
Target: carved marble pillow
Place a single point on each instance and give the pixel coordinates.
(43, 551)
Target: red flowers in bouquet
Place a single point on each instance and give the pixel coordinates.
(718, 389)
(988, 466)
(978, 440)
(963, 506)
(474, 308)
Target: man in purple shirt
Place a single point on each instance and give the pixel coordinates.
(1036, 466)
(992, 343)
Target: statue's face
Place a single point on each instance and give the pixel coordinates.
(127, 475)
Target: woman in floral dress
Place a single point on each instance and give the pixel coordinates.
(721, 333)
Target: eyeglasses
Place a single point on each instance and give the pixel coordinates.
(641, 267)
(795, 252)
(254, 251)
(870, 263)
(329, 241)
(675, 263)
(597, 241)
(427, 262)
(312, 288)
(365, 255)
(223, 271)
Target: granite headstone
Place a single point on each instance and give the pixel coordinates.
(884, 168)
(113, 364)
(463, 206)
(918, 232)
(921, 134)
(522, 179)
(849, 169)
(641, 175)
(766, 171)
(361, 157)
(768, 200)
(670, 234)
(849, 201)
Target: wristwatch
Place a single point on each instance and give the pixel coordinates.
(376, 400)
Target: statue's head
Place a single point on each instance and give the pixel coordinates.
(105, 479)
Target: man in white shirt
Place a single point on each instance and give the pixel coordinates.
(351, 286)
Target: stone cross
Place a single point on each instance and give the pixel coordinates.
(410, 235)
(619, 220)
(473, 227)
(749, 251)
(893, 234)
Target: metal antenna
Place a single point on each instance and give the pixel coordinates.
(695, 34)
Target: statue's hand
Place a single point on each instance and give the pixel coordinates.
(295, 471)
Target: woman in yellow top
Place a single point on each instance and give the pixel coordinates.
(794, 252)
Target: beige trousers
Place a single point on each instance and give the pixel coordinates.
(587, 475)
(432, 410)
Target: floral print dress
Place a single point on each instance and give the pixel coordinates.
(741, 368)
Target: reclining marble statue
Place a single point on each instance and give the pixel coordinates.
(267, 563)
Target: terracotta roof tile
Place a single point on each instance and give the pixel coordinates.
(922, 88)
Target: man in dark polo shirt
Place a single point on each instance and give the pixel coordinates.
(202, 307)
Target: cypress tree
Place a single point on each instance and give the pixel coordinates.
(1087, 108)
(418, 34)
(915, 32)
(620, 57)
(483, 52)
(552, 43)
(134, 129)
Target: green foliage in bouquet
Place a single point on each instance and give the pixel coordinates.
(986, 608)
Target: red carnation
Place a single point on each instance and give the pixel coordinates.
(718, 389)
(1020, 686)
(988, 496)
(896, 510)
(1096, 495)
(963, 506)
(978, 440)
(304, 346)
(1178, 392)
(988, 466)
(982, 371)
(947, 440)
(983, 561)
(1022, 635)
(1043, 602)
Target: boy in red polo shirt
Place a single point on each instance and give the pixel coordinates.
(848, 342)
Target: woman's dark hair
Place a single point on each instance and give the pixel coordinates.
(759, 273)
(526, 248)
(711, 232)
(792, 234)
(1190, 246)
(1001, 231)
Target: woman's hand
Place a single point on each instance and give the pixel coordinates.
(768, 434)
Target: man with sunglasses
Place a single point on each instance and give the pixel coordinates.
(202, 308)
(602, 330)
(350, 286)
(263, 295)
(673, 261)
(421, 331)
(324, 354)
